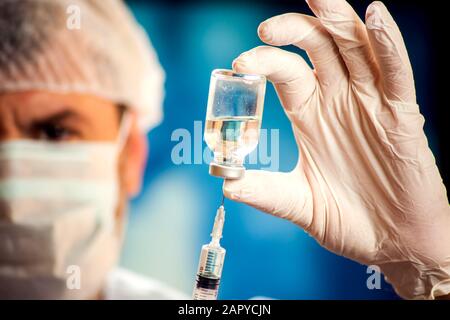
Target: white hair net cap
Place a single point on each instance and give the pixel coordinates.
(42, 47)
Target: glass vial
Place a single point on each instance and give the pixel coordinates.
(233, 120)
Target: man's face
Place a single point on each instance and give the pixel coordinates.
(55, 118)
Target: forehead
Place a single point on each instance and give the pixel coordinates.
(45, 101)
(32, 104)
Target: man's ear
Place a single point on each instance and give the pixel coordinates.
(134, 160)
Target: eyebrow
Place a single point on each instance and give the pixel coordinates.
(59, 116)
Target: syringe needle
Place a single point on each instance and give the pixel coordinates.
(223, 200)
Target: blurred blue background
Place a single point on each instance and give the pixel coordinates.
(172, 217)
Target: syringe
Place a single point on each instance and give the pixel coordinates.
(211, 262)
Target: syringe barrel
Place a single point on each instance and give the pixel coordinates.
(211, 261)
(209, 272)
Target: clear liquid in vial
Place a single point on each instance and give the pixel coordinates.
(232, 138)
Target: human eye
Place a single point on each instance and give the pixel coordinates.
(53, 132)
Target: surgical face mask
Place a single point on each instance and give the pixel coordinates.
(58, 203)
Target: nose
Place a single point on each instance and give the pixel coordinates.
(9, 131)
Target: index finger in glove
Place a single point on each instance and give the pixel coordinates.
(292, 77)
(307, 33)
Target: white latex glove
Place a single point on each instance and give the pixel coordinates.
(366, 185)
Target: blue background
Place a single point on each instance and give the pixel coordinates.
(172, 217)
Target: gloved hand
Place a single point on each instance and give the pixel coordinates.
(366, 185)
